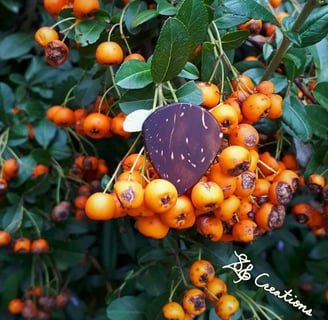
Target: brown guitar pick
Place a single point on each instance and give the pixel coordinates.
(182, 141)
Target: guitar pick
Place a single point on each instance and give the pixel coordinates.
(181, 140)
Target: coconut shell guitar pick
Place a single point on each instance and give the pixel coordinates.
(182, 141)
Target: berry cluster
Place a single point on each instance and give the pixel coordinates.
(207, 287)
(37, 303)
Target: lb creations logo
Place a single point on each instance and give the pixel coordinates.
(242, 270)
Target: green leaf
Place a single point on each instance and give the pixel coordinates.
(143, 17)
(109, 246)
(132, 11)
(11, 5)
(60, 150)
(319, 251)
(249, 9)
(165, 8)
(127, 307)
(44, 132)
(189, 93)
(132, 100)
(7, 101)
(66, 253)
(153, 280)
(294, 62)
(12, 219)
(193, 14)
(234, 39)
(87, 90)
(88, 31)
(133, 74)
(319, 160)
(320, 93)
(318, 119)
(171, 51)
(315, 27)
(18, 135)
(294, 119)
(11, 286)
(189, 71)
(229, 20)
(16, 45)
(320, 60)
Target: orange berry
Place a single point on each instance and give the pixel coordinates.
(209, 227)
(245, 184)
(160, 195)
(15, 306)
(130, 193)
(40, 169)
(243, 84)
(316, 182)
(117, 125)
(206, 195)
(109, 53)
(22, 245)
(133, 176)
(281, 15)
(135, 56)
(266, 87)
(5, 238)
(210, 93)
(226, 182)
(44, 35)
(256, 106)
(228, 208)
(268, 164)
(193, 301)
(244, 230)
(254, 26)
(226, 306)
(276, 108)
(215, 289)
(39, 246)
(270, 216)
(181, 215)
(152, 226)
(54, 6)
(244, 135)
(100, 206)
(234, 160)
(97, 125)
(275, 3)
(85, 9)
(201, 272)
(64, 117)
(227, 117)
(173, 310)
(10, 168)
(56, 53)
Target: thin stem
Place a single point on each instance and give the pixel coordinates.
(29, 215)
(175, 98)
(249, 302)
(112, 74)
(181, 270)
(111, 31)
(173, 289)
(118, 167)
(121, 29)
(307, 9)
(103, 97)
(67, 95)
(61, 21)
